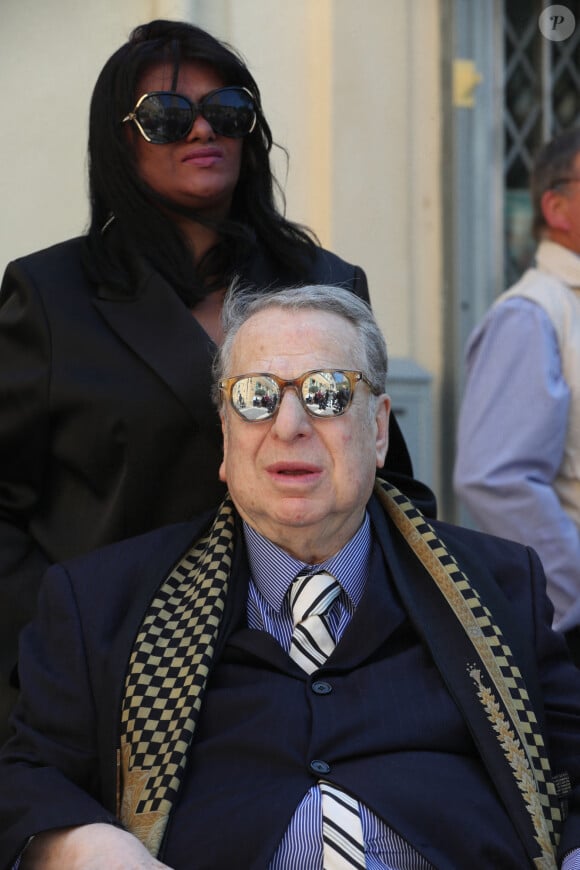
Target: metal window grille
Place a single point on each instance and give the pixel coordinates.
(541, 99)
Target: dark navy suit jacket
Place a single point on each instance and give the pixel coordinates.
(427, 779)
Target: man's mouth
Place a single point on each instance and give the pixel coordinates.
(292, 469)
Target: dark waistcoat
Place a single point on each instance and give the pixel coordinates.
(378, 716)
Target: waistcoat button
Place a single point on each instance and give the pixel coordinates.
(320, 687)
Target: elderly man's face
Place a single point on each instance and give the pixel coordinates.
(300, 481)
(573, 207)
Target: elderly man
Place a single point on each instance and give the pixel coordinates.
(314, 677)
(518, 446)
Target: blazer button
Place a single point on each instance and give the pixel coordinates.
(318, 766)
(320, 687)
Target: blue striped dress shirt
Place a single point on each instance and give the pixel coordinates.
(273, 571)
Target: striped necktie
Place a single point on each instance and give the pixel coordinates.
(311, 597)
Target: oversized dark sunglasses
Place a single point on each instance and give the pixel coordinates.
(164, 116)
(257, 396)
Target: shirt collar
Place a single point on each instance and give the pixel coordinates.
(559, 261)
(273, 569)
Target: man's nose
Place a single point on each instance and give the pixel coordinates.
(292, 419)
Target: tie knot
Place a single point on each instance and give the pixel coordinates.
(312, 595)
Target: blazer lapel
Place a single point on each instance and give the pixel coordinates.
(376, 619)
(159, 328)
(455, 659)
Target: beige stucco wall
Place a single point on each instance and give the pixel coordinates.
(351, 89)
(50, 56)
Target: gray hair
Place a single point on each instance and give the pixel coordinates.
(552, 165)
(241, 304)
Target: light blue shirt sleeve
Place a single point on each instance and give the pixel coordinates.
(572, 860)
(510, 442)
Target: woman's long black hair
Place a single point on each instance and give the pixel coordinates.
(137, 216)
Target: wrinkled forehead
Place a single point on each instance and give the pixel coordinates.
(288, 342)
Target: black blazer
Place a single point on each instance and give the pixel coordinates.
(107, 429)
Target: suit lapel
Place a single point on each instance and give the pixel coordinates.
(159, 328)
(377, 617)
(456, 660)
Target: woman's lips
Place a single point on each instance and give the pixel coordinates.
(203, 157)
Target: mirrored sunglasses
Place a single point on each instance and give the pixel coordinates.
(163, 116)
(257, 397)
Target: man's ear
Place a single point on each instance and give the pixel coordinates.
(382, 414)
(555, 210)
(222, 468)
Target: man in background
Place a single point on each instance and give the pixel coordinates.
(518, 447)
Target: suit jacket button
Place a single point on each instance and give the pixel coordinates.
(318, 766)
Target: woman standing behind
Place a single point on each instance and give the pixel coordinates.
(107, 340)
